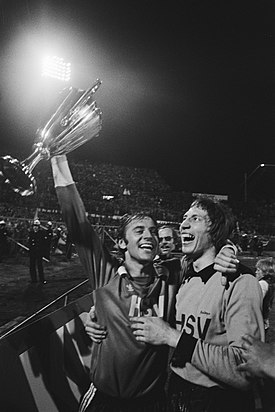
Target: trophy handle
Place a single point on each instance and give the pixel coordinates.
(19, 174)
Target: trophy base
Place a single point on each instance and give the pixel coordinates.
(17, 175)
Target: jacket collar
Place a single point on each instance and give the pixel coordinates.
(158, 271)
(205, 274)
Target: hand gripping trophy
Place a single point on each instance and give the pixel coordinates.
(76, 121)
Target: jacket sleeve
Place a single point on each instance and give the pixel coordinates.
(242, 314)
(99, 265)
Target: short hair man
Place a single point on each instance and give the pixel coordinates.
(167, 241)
(36, 244)
(211, 320)
(126, 376)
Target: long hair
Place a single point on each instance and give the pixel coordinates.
(222, 220)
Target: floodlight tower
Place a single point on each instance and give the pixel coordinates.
(56, 68)
(247, 177)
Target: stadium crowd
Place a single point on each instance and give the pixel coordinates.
(117, 190)
(121, 189)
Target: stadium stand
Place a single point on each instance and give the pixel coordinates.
(121, 189)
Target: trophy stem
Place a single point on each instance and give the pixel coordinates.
(31, 161)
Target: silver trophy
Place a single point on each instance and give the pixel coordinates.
(76, 121)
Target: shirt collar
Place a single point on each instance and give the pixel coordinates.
(159, 271)
(205, 274)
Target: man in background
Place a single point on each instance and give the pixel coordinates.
(167, 242)
(4, 243)
(36, 244)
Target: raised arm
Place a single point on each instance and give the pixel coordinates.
(98, 264)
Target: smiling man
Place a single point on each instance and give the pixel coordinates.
(129, 375)
(211, 320)
(126, 375)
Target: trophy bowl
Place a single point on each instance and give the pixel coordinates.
(76, 121)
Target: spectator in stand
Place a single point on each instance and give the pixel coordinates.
(4, 242)
(57, 234)
(48, 239)
(244, 242)
(68, 246)
(36, 244)
(265, 273)
(256, 246)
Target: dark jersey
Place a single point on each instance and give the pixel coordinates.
(121, 366)
(36, 242)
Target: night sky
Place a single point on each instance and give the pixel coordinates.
(187, 86)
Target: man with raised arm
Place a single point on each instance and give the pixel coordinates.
(126, 375)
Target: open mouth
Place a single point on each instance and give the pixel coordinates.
(147, 246)
(187, 237)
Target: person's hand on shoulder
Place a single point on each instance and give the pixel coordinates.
(226, 262)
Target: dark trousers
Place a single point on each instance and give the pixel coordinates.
(185, 396)
(36, 264)
(104, 403)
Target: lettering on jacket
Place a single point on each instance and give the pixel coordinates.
(191, 325)
(156, 310)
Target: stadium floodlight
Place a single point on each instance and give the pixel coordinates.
(56, 68)
(246, 177)
(267, 165)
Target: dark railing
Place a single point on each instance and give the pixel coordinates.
(34, 315)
